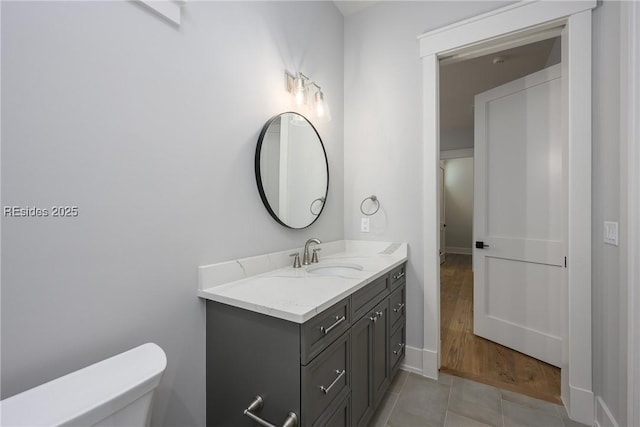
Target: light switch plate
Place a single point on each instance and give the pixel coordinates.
(611, 232)
(364, 225)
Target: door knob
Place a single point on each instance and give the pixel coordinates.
(480, 245)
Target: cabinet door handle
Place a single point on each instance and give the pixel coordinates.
(339, 319)
(340, 373)
(399, 275)
(379, 314)
(398, 351)
(258, 402)
(373, 318)
(399, 307)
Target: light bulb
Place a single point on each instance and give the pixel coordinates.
(319, 104)
(321, 107)
(299, 91)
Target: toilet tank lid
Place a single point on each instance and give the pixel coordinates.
(117, 380)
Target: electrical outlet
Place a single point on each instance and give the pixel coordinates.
(364, 225)
(611, 232)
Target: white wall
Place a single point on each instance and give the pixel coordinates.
(609, 293)
(150, 129)
(383, 139)
(458, 190)
(382, 117)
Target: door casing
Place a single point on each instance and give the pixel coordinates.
(509, 26)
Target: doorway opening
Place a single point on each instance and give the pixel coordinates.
(464, 352)
(508, 27)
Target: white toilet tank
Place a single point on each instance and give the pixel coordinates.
(115, 392)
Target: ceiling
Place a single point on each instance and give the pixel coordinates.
(352, 6)
(461, 81)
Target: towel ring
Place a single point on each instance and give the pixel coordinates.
(319, 199)
(375, 200)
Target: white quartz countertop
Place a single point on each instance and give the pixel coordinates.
(262, 285)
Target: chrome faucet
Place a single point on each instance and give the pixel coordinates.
(305, 256)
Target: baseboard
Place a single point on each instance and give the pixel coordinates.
(412, 360)
(421, 361)
(604, 418)
(456, 250)
(581, 405)
(429, 363)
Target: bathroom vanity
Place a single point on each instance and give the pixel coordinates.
(318, 344)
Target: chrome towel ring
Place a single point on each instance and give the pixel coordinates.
(373, 199)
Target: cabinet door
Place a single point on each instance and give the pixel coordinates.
(370, 362)
(379, 351)
(361, 389)
(339, 416)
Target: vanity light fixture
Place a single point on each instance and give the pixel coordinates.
(299, 87)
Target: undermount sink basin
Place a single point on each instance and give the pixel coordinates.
(335, 269)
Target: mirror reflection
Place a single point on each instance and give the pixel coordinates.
(291, 170)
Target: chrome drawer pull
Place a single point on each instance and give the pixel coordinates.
(373, 318)
(399, 308)
(379, 313)
(290, 421)
(339, 319)
(340, 375)
(399, 275)
(398, 351)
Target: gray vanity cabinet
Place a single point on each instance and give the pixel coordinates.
(332, 370)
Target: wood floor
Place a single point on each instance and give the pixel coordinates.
(468, 356)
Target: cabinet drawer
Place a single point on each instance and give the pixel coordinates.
(323, 329)
(325, 378)
(397, 275)
(397, 347)
(367, 297)
(397, 302)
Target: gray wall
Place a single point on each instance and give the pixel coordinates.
(458, 191)
(150, 129)
(456, 139)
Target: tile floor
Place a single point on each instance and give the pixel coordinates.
(415, 401)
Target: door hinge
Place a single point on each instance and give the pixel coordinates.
(565, 262)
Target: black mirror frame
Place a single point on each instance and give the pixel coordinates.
(263, 196)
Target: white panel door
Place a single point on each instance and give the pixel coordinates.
(520, 216)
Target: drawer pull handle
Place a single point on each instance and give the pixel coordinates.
(339, 319)
(379, 314)
(258, 402)
(340, 373)
(398, 351)
(399, 307)
(373, 318)
(399, 275)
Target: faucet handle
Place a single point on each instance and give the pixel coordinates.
(314, 257)
(296, 260)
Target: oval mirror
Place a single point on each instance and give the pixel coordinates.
(292, 170)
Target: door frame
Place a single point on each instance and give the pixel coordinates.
(504, 26)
